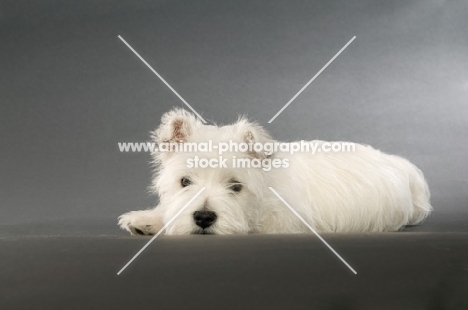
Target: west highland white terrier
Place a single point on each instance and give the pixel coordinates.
(361, 190)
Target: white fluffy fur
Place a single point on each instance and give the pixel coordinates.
(361, 191)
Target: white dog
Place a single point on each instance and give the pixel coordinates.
(360, 191)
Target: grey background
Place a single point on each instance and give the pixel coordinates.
(71, 90)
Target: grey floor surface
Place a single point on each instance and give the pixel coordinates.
(74, 266)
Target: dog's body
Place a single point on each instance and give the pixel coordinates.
(361, 191)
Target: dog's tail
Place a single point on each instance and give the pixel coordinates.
(420, 194)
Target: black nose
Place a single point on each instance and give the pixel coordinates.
(204, 219)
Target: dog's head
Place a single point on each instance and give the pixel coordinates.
(231, 201)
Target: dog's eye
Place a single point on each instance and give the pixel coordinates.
(185, 182)
(237, 187)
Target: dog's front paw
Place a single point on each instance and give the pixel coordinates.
(140, 222)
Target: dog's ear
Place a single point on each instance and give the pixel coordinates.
(250, 132)
(176, 126)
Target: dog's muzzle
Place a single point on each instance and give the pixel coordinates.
(204, 219)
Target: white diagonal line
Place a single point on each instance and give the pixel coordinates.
(164, 81)
(159, 232)
(313, 230)
(305, 86)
